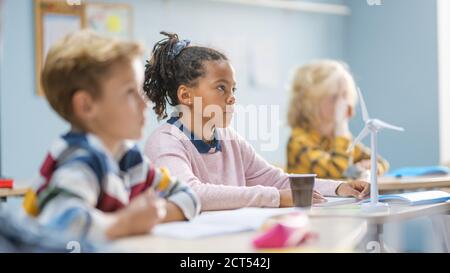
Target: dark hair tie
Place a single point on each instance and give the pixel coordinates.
(177, 48)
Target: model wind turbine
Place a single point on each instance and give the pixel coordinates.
(372, 126)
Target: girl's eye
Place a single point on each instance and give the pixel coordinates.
(234, 90)
(221, 88)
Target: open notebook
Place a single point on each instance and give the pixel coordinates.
(337, 201)
(415, 198)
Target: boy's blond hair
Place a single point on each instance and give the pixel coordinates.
(311, 83)
(81, 61)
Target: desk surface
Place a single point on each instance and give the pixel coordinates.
(413, 183)
(339, 230)
(335, 235)
(393, 213)
(12, 192)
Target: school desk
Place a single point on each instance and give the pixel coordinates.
(390, 184)
(437, 213)
(334, 235)
(17, 192)
(343, 228)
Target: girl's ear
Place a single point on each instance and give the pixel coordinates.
(82, 105)
(184, 95)
(351, 111)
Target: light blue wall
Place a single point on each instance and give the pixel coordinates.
(29, 126)
(294, 37)
(392, 50)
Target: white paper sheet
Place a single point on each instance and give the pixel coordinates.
(220, 222)
(336, 201)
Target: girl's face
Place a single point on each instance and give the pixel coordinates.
(336, 107)
(328, 107)
(214, 95)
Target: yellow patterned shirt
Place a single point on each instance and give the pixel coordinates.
(309, 152)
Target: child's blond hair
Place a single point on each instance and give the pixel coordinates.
(311, 83)
(81, 61)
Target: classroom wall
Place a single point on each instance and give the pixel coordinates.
(392, 50)
(443, 7)
(29, 126)
(391, 58)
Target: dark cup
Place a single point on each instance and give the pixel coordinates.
(302, 187)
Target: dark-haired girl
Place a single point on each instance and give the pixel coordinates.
(197, 144)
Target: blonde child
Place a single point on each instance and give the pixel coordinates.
(94, 182)
(322, 103)
(198, 145)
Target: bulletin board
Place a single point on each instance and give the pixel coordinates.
(54, 19)
(110, 19)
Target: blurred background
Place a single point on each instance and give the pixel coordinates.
(397, 50)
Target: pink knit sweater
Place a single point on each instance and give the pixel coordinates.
(229, 176)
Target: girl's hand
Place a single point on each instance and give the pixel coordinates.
(357, 189)
(318, 198)
(286, 198)
(365, 165)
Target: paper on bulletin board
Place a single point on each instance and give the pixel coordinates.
(109, 20)
(57, 27)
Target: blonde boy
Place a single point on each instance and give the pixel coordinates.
(94, 181)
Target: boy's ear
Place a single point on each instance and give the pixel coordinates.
(184, 95)
(82, 104)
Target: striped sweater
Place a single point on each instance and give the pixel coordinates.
(79, 175)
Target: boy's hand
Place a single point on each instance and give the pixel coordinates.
(139, 217)
(357, 189)
(174, 213)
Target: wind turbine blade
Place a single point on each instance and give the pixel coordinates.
(365, 114)
(382, 124)
(358, 139)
